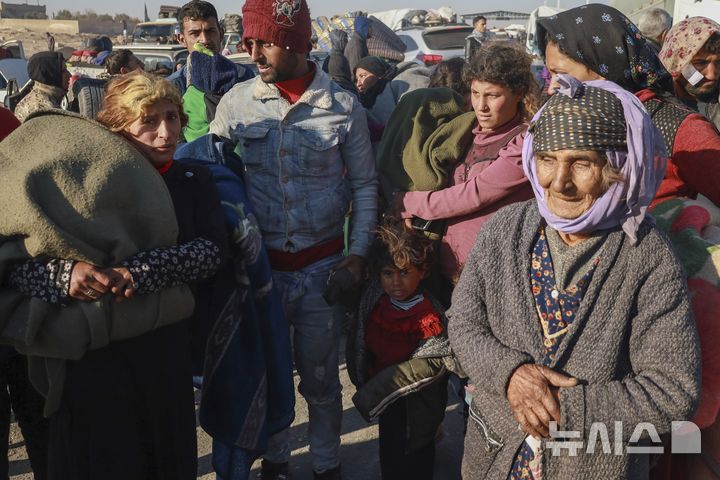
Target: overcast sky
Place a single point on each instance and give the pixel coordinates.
(317, 7)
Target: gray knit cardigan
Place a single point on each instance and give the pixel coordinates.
(633, 346)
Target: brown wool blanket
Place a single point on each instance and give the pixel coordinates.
(71, 189)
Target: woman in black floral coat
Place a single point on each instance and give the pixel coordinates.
(127, 409)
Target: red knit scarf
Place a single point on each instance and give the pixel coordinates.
(393, 334)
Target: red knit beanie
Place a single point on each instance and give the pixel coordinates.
(286, 23)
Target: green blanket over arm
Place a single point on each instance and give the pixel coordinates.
(427, 134)
(71, 189)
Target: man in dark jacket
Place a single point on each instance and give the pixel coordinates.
(356, 48)
(336, 64)
(51, 79)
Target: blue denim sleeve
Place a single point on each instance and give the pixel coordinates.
(179, 79)
(360, 163)
(221, 124)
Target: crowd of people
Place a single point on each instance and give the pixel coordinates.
(549, 251)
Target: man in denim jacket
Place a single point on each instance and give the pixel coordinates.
(306, 149)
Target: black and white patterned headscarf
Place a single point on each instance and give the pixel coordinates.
(591, 119)
(608, 43)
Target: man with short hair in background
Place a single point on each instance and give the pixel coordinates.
(307, 155)
(479, 24)
(122, 61)
(199, 24)
(654, 24)
(50, 42)
(479, 35)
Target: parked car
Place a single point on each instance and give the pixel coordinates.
(159, 59)
(230, 41)
(13, 69)
(161, 31)
(432, 45)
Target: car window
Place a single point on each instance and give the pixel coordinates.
(3, 82)
(230, 41)
(153, 32)
(446, 39)
(409, 42)
(157, 64)
(245, 60)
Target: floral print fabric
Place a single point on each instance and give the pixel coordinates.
(684, 40)
(48, 281)
(152, 270)
(607, 42)
(556, 311)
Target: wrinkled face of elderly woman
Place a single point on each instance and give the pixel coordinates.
(571, 179)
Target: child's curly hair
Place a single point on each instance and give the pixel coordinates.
(399, 247)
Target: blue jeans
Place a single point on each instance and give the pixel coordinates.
(315, 343)
(230, 462)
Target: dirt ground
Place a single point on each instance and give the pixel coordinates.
(34, 41)
(358, 452)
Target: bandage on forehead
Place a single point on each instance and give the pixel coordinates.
(591, 120)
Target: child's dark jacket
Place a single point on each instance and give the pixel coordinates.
(425, 373)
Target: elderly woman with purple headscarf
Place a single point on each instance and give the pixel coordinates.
(572, 315)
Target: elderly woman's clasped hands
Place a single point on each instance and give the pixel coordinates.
(533, 394)
(88, 282)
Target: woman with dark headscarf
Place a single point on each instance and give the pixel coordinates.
(381, 86)
(371, 76)
(596, 41)
(572, 310)
(51, 78)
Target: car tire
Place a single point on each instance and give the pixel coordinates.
(89, 93)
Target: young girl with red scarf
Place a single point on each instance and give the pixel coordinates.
(398, 354)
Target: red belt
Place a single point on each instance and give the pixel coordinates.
(292, 262)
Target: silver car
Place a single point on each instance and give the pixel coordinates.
(432, 45)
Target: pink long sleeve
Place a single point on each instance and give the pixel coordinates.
(488, 183)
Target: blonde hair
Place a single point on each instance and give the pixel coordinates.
(129, 96)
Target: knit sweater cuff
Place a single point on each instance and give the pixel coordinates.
(572, 410)
(504, 369)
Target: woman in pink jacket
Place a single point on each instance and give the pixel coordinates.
(490, 176)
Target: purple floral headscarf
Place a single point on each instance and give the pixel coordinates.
(642, 167)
